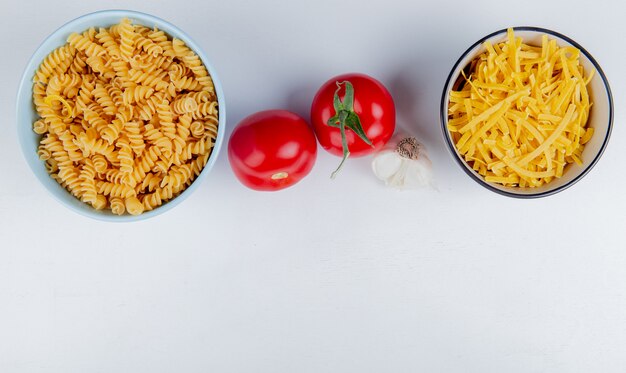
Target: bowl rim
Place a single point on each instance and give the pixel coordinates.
(451, 148)
(141, 17)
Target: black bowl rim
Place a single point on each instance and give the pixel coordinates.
(478, 178)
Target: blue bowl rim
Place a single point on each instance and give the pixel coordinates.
(479, 179)
(26, 79)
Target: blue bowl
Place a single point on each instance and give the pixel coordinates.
(26, 113)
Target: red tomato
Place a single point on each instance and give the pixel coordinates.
(272, 150)
(373, 106)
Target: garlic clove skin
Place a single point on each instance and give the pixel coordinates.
(386, 164)
(397, 180)
(419, 173)
(406, 166)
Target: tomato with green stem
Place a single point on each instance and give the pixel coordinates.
(353, 115)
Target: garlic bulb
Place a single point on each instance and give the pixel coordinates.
(404, 165)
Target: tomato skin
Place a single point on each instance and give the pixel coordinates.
(272, 150)
(372, 103)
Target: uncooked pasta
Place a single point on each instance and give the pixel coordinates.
(128, 117)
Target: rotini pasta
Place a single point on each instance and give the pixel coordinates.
(127, 117)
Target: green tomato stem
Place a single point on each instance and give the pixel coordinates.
(345, 116)
(344, 144)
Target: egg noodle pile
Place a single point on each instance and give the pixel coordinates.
(521, 116)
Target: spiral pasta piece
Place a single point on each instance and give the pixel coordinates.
(43, 153)
(125, 155)
(205, 109)
(197, 129)
(184, 105)
(127, 39)
(100, 163)
(188, 83)
(155, 137)
(210, 127)
(109, 43)
(105, 100)
(133, 132)
(112, 131)
(193, 62)
(100, 66)
(40, 127)
(114, 190)
(117, 206)
(94, 119)
(55, 122)
(85, 96)
(148, 46)
(88, 190)
(145, 162)
(121, 68)
(56, 62)
(85, 45)
(161, 39)
(78, 65)
(150, 182)
(73, 151)
(152, 80)
(166, 119)
(148, 108)
(136, 93)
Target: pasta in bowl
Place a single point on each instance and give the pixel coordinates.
(120, 115)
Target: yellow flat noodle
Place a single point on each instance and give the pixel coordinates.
(468, 108)
(456, 99)
(490, 48)
(51, 98)
(513, 179)
(461, 142)
(487, 113)
(549, 118)
(475, 91)
(530, 128)
(572, 66)
(587, 136)
(481, 132)
(484, 152)
(526, 173)
(564, 64)
(545, 144)
(576, 159)
(499, 87)
(456, 107)
(566, 94)
(529, 55)
(457, 121)
(460, 94)
(563, 141)
(591, 74)
(503, 126)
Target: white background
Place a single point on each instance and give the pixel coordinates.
(328, 276)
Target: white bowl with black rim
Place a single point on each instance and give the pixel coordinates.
(600, 115)
(26, 113)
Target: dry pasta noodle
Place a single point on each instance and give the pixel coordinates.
(128, 116)
(521, 115)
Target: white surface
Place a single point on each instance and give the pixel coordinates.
(341, 276)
